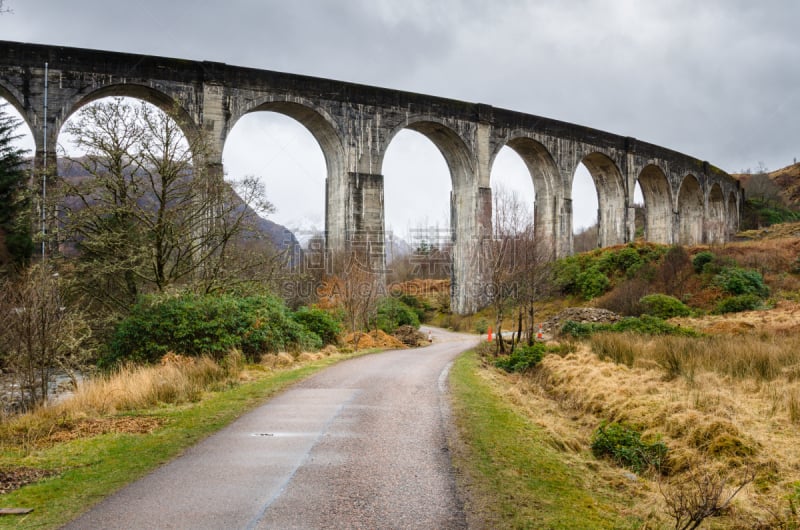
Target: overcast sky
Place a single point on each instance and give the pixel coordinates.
(716, 79)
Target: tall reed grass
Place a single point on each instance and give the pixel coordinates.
(761, 357)
(177, 380)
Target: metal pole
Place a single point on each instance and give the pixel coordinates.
(44, 169)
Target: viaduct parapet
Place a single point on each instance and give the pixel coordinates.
(687, 200)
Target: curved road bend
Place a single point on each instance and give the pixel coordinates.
(359, 445)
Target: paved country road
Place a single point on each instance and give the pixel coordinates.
(361, 444)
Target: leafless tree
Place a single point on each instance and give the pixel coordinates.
(702, 494)
(761, 187)
(145, 216)
(518, 267)
(354, 288)
(39, 334)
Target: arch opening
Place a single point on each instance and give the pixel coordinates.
(26, 140)
(732, 215)
(417, 208)
(657, 197)
(284, 155)
(534, 177)
(129, 92)
(16, 230)
(611, 202)
(715, 225)
(513, 195)
(690, 211)
(585, 230)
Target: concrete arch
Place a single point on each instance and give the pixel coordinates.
(611, 198)
(453, 148)
(320, 125)
(690, 211)
(732, 214)
(15, 99)
(161, 100)
(545, 177)
(322, 128)
(715, 225)
(657, 204)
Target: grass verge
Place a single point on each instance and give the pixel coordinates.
(510, 475)
(89, 469)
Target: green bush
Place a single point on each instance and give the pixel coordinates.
(418, 305)
(566, 272)
(737, 281)
(736, 304)
(625, 260)
(625, 447)
(591, 283)
(322, 323)
(481, 326)
(664, 306)
(524, 358)
(207, 325)
(701, 259)
(392, 313)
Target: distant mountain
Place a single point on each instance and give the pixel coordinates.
(279, 235)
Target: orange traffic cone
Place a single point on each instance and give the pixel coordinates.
(489, 337)
(539, 335)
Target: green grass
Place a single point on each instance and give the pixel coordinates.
(512, 477)
(92, 468)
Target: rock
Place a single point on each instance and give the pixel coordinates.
(593, 315)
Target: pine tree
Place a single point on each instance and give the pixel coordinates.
(16, 244)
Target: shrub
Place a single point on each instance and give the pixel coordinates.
(626, 260)
(320, 322)
(591, 283)
(625, 447)
(481, 326)
(419, 306)
(578, 330)
(736, 304)
(392, 313)
(524, 358)
(207, 325)
(566, 274)
(737, 281)
(664, 306)
(701, 259)
(625, 298)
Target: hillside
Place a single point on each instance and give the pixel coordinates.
(280, 236)
(786, 179)
(715, 388)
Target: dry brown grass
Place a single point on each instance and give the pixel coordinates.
(177, 379)
(720, 403)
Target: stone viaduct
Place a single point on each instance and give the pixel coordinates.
(686, 200)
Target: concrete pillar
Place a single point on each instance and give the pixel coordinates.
(471, 218)
(564, 236)
(364, 232)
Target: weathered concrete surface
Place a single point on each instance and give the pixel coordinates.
(360, 445)
(686, 200)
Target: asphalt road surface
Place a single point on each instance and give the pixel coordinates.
(361, 444)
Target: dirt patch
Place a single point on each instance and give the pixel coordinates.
(13, 478)
(373, 339)
(410, 336)
(96, 426)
